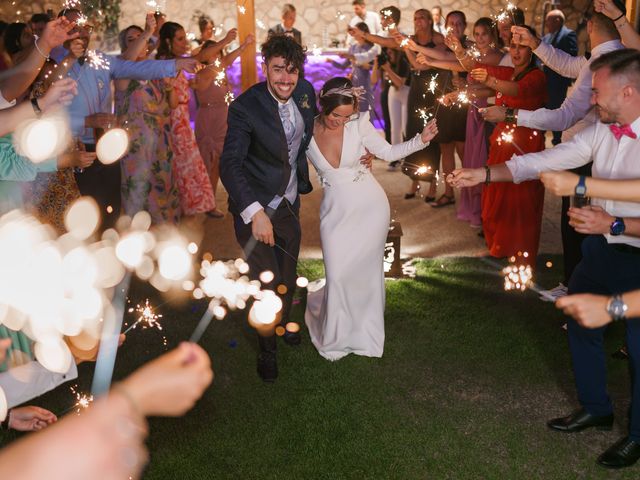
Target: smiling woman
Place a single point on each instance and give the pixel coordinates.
(346, 315)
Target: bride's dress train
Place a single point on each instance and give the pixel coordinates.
(346, 314)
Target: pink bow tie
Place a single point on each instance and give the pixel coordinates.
(621, 131)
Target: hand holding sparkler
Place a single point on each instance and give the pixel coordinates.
(30, 418)
(60, 94)
(480, 75)
(523, 36)
(607, 7)
(150, 24)
(190, 65)
(231, 35)
(560, 183)
(170, 385)
(494, 114)
(449, 99)
(466, 177)
(590, 311)
(55, 33)
(429, 131)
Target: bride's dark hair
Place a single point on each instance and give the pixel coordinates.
(330, 100)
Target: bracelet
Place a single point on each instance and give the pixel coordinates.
(618, 18)
(35, 43)
(36, 107)
(487, 178)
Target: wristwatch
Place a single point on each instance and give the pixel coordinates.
(581, 187)
(617, 227)
(616, 308)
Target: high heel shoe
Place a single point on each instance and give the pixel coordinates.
(409, 196)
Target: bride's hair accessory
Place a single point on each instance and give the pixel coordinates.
(345, 91)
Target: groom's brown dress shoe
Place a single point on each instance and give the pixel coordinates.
(580, 420)
(621, 454)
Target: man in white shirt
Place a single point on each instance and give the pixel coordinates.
(438, 20)
(572, 116)
(372, 19)
(611, 261)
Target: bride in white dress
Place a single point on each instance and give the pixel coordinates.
(346, 315)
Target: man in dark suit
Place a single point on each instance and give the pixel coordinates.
(564, 39)
(263, 166)
(286, 27)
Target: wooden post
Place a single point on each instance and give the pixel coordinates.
(632, 13)
(247, 26)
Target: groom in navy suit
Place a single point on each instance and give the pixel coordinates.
(263, 166)
(564, 39)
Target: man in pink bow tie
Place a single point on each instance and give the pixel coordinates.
(611, 251)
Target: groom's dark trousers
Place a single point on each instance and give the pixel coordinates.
(605, 269)
(281, 259)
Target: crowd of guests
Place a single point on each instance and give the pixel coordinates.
(493, 97)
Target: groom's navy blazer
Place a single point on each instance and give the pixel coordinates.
(254, 165)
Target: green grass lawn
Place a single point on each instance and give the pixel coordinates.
(469, 377)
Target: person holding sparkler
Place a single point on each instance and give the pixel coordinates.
(194, 185)
(214, 96)
(360, 72)
(264, 168)
(147, 177)
(611, 252)
(423, 164)
(512, 214)
(109, 435)
(91, 111)
(575, 113)
(347, 314)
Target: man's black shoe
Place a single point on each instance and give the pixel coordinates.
(621, 454)
(580, 420)
(292, 338)
(267, 366)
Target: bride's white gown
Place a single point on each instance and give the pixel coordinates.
(347, 314)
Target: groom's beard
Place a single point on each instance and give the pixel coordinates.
(274, 91)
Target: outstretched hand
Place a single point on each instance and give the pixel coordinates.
(429, 131)
(56, 32)
(588, 310)
(560, 183)
(523, 36)
(60, 94)
(466, 177)
(30, 418)
(607, 7)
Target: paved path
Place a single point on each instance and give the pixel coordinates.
(428, 232)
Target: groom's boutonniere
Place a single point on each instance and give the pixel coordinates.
(304, 101)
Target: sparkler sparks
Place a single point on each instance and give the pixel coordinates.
(340, 15)
(404, 42)
(97, 61)
(433, 84)
(425, 115)
(507, 137)
(148, 318)
(71, 4)
(83, 400)
(260, 24)
(221, 77)
(517, 277)
(242, 9)
(228, 98)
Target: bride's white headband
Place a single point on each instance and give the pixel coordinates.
(353, 92)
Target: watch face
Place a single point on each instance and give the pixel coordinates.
(617, 308)
(617, 227)
(581, 190)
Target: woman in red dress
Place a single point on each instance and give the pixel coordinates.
(512, 214)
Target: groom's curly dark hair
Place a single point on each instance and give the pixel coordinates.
(286, 47)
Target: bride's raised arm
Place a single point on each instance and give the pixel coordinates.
(377, 145)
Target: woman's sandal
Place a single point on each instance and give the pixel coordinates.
(443, 201)
(429, 199)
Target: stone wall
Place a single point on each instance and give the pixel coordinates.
(317, 19)
(318, 22)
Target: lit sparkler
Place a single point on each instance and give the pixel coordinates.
(260, 24)
(433, 84)
(148, 318)
(97, 61)
(229, 97)
(425, 115)
(404, 42)
(242, 9)
(220, 78)
(71, 4)
(83, 400)
(507, 137)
